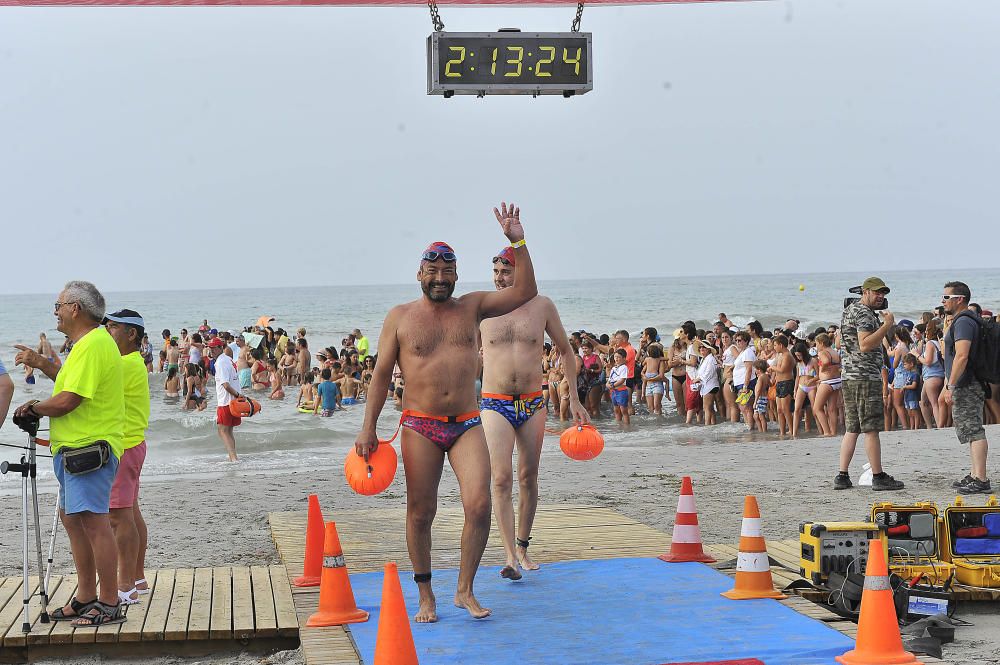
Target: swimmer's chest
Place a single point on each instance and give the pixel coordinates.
(424, 333)
(523, 326)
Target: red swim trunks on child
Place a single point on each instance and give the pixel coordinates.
(125, 490)
(223, 416)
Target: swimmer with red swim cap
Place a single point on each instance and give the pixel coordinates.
(434, 341)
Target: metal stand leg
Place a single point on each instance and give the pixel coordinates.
(43, 582)
(52, 550)
(26, 625)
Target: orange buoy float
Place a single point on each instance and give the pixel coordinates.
(375, 475)
(581, 442)
(244, 407)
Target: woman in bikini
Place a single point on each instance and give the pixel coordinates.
(828, 402)
(807, 376)
(277, 387)
(172, 386)
(678, 373)
(932, 372)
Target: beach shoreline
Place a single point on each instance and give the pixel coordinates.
(791, 478)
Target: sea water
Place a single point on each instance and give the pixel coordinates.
(280, 438)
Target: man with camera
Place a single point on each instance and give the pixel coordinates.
(86, 418)
(863, 360)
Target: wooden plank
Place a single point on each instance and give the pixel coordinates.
(63, 593)
(12, 614)
(284, 608)
(243, 625)
(201, 605)
(265, 619)
(159, 606)
(221, 624)
(10, 588)
(20, 639)
(132, 629)
(180, 606)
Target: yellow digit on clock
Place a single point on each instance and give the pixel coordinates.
(545, 61)
(569, 61)
(461, 58)
(517, 61)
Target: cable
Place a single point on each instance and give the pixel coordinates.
(37, 454)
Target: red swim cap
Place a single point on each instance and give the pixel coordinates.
(507, 254)
(438, 247)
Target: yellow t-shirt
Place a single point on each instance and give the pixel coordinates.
(93, 370)
(135, 378)
(362, 346)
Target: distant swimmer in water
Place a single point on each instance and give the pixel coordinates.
(514, 408)
(172, 386)
(44, 349)
(433, 339)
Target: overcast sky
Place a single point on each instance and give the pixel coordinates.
(154, 148)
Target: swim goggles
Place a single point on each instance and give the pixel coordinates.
(434, 255)
(502, 260)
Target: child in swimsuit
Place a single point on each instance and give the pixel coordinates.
(307, 393)
(277, 386)
(760, 393)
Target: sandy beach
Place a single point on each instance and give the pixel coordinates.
(221, 517)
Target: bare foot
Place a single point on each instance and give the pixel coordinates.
(525, 559)
(469, 602)
(510, 572)
(427, 612)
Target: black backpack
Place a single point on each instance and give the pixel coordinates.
(985, 362)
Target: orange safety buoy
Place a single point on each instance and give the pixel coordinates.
(581, 442)
(375, 475)
(244, 407)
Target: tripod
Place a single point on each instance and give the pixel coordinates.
(28, 469)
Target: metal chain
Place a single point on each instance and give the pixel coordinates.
(435, 16)
(579, 17)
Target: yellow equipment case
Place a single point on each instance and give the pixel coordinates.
(972, 542)
(834, 547)
(914, 541)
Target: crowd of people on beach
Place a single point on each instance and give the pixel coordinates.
(786, 380)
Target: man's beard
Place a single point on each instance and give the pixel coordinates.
(437, 297)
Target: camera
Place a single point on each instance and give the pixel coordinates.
(857, 289)
(27, 423)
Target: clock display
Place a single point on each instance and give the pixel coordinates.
(509, 63)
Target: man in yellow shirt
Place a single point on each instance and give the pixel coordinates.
(361, 344)
(127, 329)
(86, 418)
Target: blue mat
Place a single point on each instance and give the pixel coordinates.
(608, 612)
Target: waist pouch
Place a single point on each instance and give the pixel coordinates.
(79, 461)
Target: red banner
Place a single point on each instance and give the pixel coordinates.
(339, 3)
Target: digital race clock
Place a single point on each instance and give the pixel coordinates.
(509, 63)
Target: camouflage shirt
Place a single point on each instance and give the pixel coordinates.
(858, 364)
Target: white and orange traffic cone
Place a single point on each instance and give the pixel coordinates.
(336, 598)
(753, 569)
(685, 544)
(879, 642)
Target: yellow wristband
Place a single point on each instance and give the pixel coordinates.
(519, 243)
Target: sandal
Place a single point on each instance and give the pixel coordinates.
(126, 596)
(142, 592)
(101, 614)
(79, 608)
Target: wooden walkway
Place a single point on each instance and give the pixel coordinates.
(371, 538)
(195, 610)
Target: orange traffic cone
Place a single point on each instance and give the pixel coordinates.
(685, 545)
(878, 640)
(394, 642)
(314, 546)
(336, 598)
(753, 570)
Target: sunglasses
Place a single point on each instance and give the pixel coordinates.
(434, 255)
(947, 297)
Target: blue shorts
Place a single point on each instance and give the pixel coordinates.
(911, 404)
(89, 493)
(619, 397)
